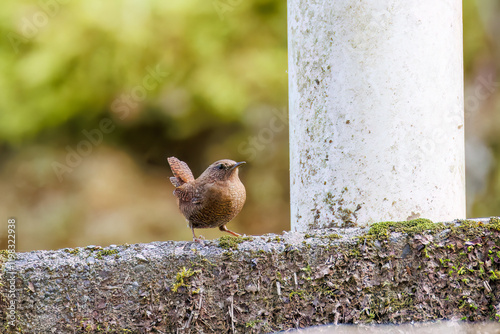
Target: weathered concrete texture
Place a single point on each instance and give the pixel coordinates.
(375, 95)
(394, 272)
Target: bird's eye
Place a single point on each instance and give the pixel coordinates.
(221, 166)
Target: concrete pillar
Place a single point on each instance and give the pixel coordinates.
(376, 111)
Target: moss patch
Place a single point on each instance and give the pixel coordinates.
(74, 251)
(106, 252)
(228, 242)
(332, 236)
(411, 227)
(181, 278)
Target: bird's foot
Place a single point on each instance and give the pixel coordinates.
(199, 240)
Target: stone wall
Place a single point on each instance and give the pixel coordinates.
(392, 272)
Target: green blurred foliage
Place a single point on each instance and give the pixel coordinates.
(66, 61)
(221, 81)
(482, 104)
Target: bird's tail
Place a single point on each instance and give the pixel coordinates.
(181, 171)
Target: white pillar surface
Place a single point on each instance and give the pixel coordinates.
(376, 111)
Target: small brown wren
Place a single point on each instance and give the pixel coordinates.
(213, 199)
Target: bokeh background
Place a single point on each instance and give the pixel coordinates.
(95, 95)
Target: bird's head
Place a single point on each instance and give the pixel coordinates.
(223, 169)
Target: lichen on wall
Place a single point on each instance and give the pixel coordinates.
(392, 272)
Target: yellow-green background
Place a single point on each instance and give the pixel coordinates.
(63, 65)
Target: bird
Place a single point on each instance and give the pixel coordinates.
(211, 200)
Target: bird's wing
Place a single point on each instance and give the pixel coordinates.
(189, 193)
(181, 171)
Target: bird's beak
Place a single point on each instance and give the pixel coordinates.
(238, 164)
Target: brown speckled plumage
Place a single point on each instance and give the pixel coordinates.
(213, 199)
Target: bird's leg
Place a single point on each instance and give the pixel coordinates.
(223, 228)
(195, 239)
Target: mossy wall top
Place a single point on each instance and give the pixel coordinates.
(393, 272)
